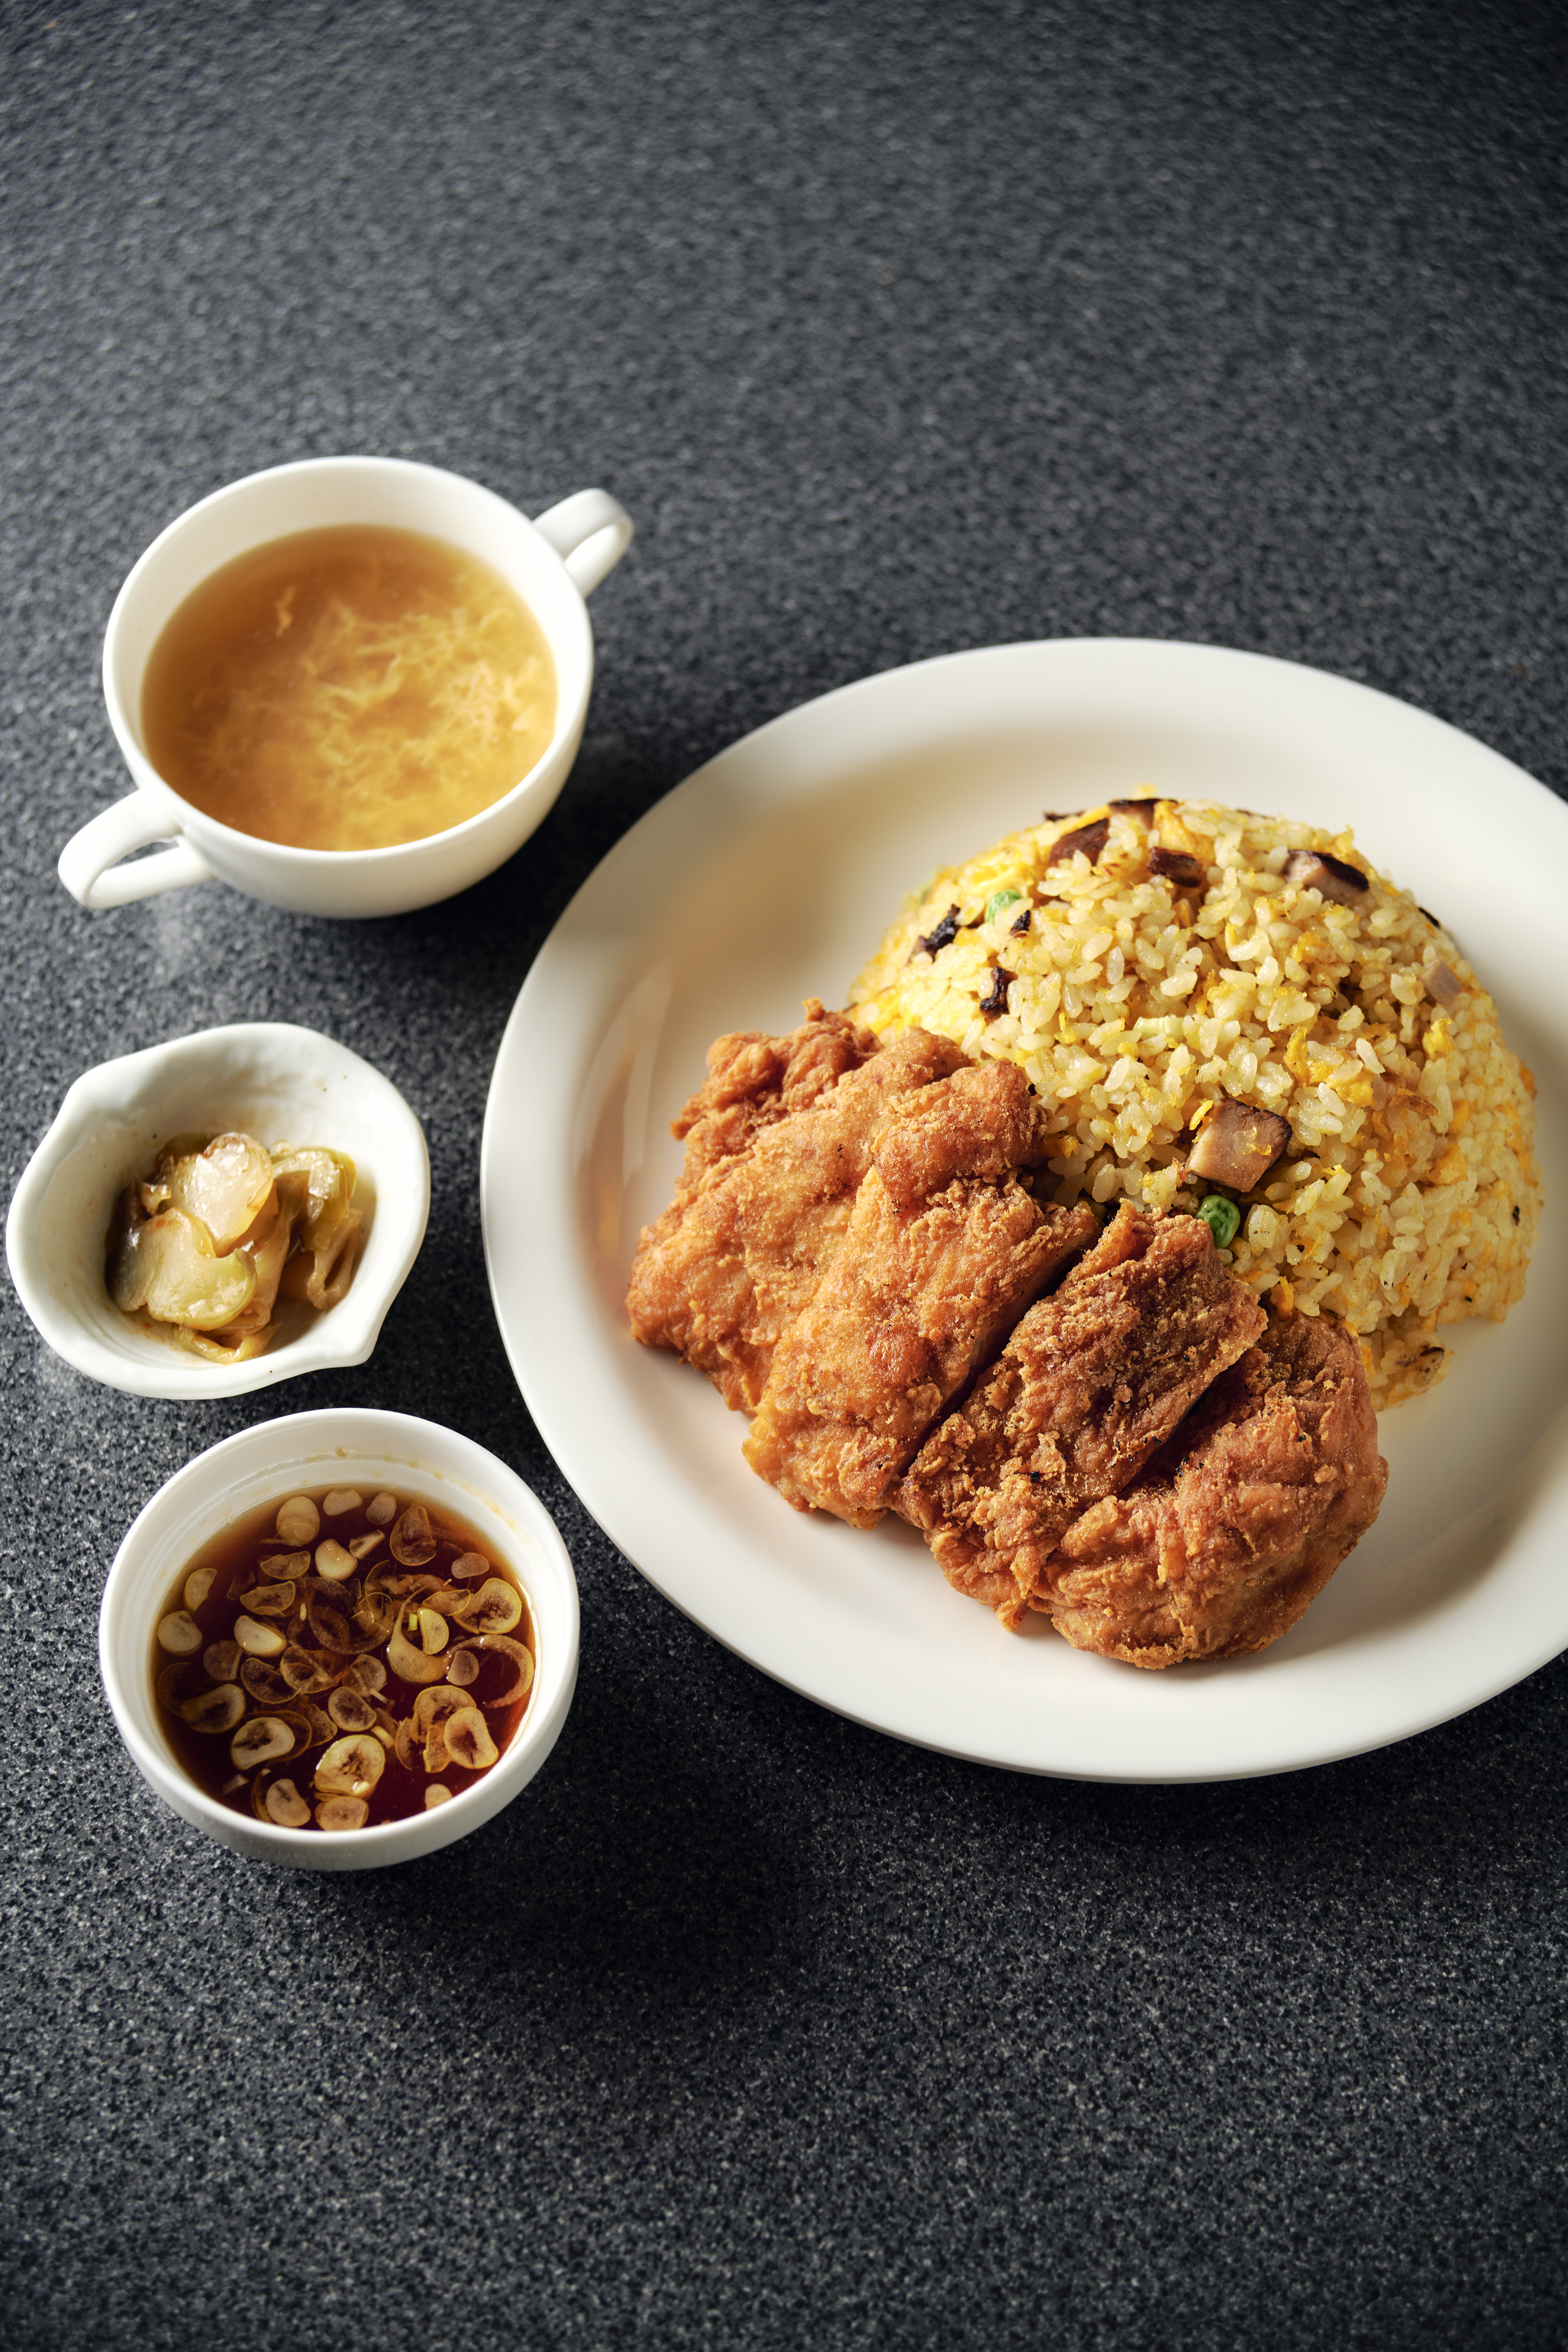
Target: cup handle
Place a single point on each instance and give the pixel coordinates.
(590, 532)
(89, 856)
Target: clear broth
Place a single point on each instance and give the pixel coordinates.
(349, 688)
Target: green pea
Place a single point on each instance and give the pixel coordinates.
(998, 899)
(1222, 1217)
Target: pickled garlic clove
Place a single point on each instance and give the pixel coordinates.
(285, 1805)
(351, 1767)
(468, 1742)
(289, 1565)
(432, 1630)
(258, 1641)
(375, 1614)
(177, 1678)
(180, 1634)
(329, 1624)
(413, 1543)
(350, 1711)
(334, 1562)
(298, 1522)
(167, 1264)
(268, 1599)
(226, 1186)
(361, 1546)
(433, 1710)
(320, 1723)
(334, 1266)
(339, 1499)
(522, 1659)
(266, 1685)
(366, 1675)
(436, 1795)
(198, 1584)
(469, 1567)
(214, 1710)
(412, 1665)
(343, 1813)
(306, 1671)
(264, 1738)
(434, 1707)
(462, 1666)
(406, 1588)
(381, 1510)
(495, 1608)
(330, 1235)
(446, 1598)
(235, 1343)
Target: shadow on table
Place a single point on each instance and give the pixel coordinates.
(635, 1867)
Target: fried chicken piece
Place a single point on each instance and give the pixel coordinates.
(753, 1079)
(1241, 1518)
(739, 1251)
(944, 1251)
(1092, 1380)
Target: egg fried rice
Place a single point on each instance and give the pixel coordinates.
(1146, 960)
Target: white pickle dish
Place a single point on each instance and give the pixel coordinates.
(261, 1083)
(294, 1794)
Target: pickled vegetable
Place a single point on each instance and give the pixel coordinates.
(219, 1229)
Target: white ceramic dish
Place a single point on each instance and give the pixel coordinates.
(348, 1447)
(552, 563)
(269, 1078)
(769, 876)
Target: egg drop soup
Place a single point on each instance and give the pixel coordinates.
(349, 688)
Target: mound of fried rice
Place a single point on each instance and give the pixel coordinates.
(1407, 1197)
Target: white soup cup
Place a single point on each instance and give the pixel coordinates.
(552, 563)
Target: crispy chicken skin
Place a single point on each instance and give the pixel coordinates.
(1091, 1382)
(772, 1171)
(1241, 1518)
(945, 1248)
(753, 1079)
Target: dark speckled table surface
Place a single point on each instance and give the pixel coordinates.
(897, 329)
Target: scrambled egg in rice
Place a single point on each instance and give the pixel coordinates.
(1148, 961)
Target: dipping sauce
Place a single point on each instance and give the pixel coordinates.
(340, 1658)
(349, 688)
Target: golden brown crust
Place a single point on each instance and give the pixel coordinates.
(739, 1252)
(1091, 1382)
(1239, 1522)
(936, 1266)
(754, 1079)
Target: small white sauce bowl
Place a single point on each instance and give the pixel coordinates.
(347, 1446)
(277, 1082)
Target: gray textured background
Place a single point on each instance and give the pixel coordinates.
(897, 329)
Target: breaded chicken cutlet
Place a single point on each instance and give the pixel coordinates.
(776, 1146)
(754, 1079)
(1091, 1382)
(945, 1248)
(1150, 1461)
(1240, 1521)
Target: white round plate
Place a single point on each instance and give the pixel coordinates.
(768, 877)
